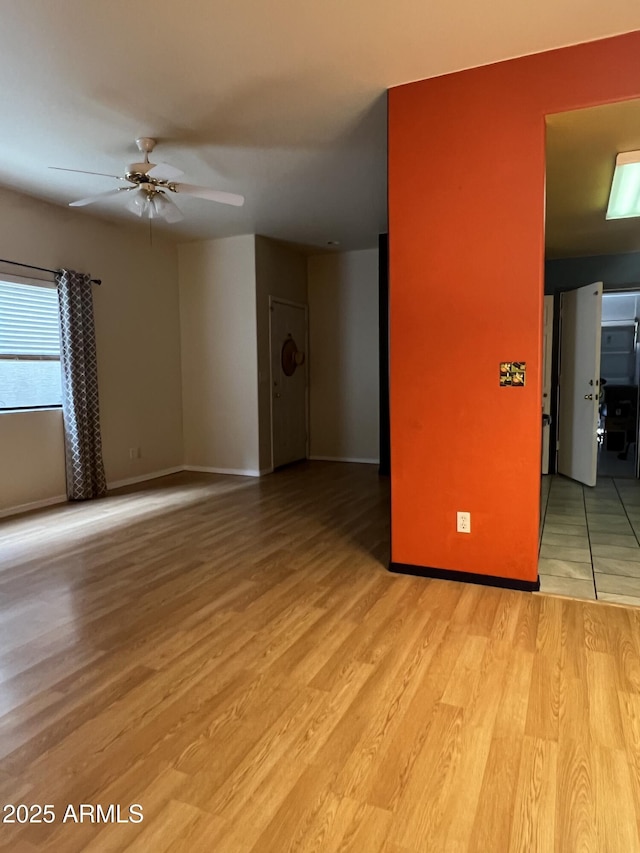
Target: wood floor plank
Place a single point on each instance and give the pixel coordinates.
(462, 786)
(513, 707)
(394, 769)
(575, 798)
(545, 699)
(534, 810)
(390, 711)
(616, 816)
(604, 708)
(422, 804)
(630, 716)
(151, 785)
(233, 655)
(494, 812)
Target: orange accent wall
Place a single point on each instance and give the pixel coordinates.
(466, 252)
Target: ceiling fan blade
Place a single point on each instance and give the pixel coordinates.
(209, 194)
(82, 172)
(164, 172)
(83, 201)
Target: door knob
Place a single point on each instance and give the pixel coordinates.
(278, 395)
(588, 396)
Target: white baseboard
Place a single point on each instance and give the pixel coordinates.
(16, 510)
(131, 481)
(236, 472)
(60, 499)
(344, 459)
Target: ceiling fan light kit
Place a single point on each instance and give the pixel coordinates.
(624, 198)
(151, 203)
(152, 183)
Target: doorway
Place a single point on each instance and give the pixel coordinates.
(583, 246)
(579, 383)
(620, 377)
(598, 379)
(590, 528)
(288, 341)
(589, 522)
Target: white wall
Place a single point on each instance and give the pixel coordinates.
(344, 382)
(138, 343)
(281, 272)
(219, 354)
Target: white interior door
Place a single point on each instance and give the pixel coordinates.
(288, 335)
(546, 378)
(579, 381)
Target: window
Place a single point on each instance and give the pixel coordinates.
(30, 375)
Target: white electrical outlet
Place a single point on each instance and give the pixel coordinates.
(134, 453)
(463, 522)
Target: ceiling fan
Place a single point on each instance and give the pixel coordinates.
(151, 186)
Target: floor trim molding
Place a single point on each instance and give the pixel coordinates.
(236, 472)
(344, 459)
(28, 507)
(464, 577)
(152, 475)
(130, 481)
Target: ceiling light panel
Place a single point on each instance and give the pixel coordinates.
(624, 198)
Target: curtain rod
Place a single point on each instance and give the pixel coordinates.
(42, 269)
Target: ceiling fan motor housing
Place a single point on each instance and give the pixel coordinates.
(145, 144)
(137, 171)
(139, 168)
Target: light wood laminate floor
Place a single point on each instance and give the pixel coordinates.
(233, 655)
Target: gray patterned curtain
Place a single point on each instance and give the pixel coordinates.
(83, 445)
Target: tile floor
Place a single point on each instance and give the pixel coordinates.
(609, 465)
(590, 539)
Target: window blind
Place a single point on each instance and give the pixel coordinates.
(29, 326)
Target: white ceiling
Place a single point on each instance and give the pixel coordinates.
(282, 101)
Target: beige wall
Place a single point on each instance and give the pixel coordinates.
(344, 384)
(219, 354)
(205, 403)
(32, 454)
(137, 335)
(280, 272)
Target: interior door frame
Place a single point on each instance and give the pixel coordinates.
(280, 300)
